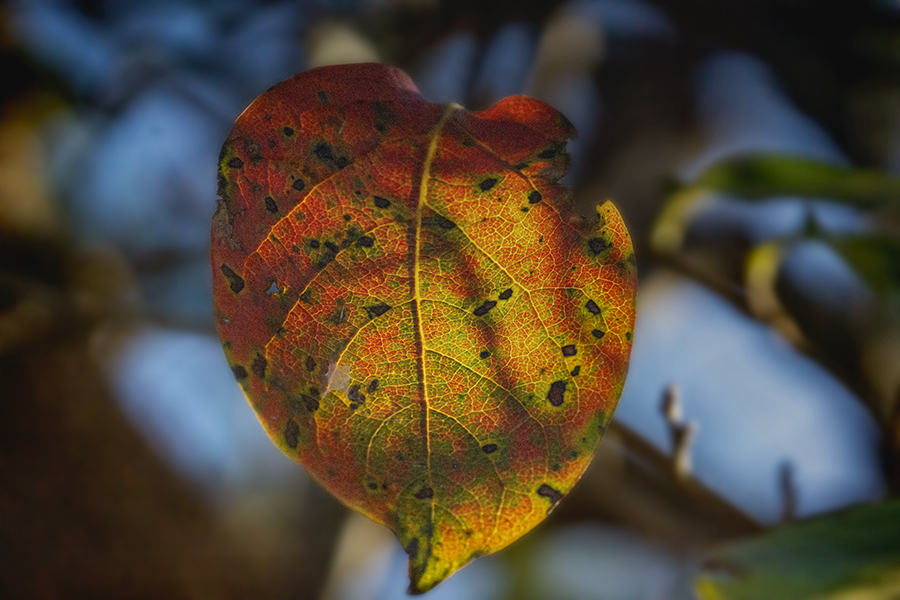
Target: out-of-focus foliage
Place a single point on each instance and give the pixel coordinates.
(853, 554)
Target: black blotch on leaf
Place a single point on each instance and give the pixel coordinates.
(381, 202)
(309, 403)
(298, 185)
(484, 354)
(347, 217)
(323, 97)
(324, 152)
(521, 165)
(576, 371)
(373, 385)
(556, 393)
(288, 130)
(592, 307)
(569, 350)
(534, 197)
(489, 448)
(597, 245)
(487, 184)
(372, 485)
(271, 206)
(239, 372)
(467, 142)
(506, 294)
(310, 363)
(598, 333)
(314, 244)
(292, 434)
(425, 493)
(545, 491)
(377, 310)
(438, 221)
(354, 395)
(332, 247)
(484, 308)
(235, 163)
(235, 281)
(259, 366)
(628, 335)
(365, 241)
(413, 549)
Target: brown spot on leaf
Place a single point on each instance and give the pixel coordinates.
(381, 202)
(592, 307)
(236, 282)
(310, 363)
(377, 310)
(239, 372)
(365, 241)
(292, 433)
(425, 493)
(506, 294)
(484, 354)
(597, 245)
(534, 197)
(288, 131)
(553, 495)
(259, 366)
(298, 185)
(271, 206)
(484, 308)
(598, 333)
(235, 163)
(488, 184)
(373, 385)
(569, 350)
(489, 448)
(576, 371)
(556, 393)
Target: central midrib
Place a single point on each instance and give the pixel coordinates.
(416, 291)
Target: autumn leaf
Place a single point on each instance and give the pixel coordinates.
(415, 309)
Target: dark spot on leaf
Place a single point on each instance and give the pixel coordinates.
(540, 241)
(236, 282)
(598, 334)
(309, 403)
(438, 221)
(381, 202)
(354, 395)
(235, 163)
(484, 354)
(306, 296)
(271, 206)
(592, 307)
(310, 363)
(467, 142)
(573, 454)
(292, 433)
(548, 153)
(332, 247)
(298, 185)
(628, 335)
(373, 385)
(525, 209)
(597, 245)
(556, 393)
(377, 310)
(554, 496)
(489, 448)
(366, 241)
(534, 197)
(569, 350)
(487, 184)
(413, 549)
(288, 130)
(314, 244)
(576, 371)
(506, 294)
(239, 372)
(347, 217)
(272, 143)
(323, 97)
(556, 467)
(259, 366)
(324, 152)
(520, 166)
(353, 406)
(424, 493)
(484, 308)
(372, 485)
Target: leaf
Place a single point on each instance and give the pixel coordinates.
(415, 309)
(767, 175)
(854, 554)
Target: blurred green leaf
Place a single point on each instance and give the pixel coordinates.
(853, 554)
(875, 258)
(767, 175)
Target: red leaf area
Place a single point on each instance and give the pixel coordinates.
(415, 309)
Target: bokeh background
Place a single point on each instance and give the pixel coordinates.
(753, 147)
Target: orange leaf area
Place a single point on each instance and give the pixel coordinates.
(415, 309)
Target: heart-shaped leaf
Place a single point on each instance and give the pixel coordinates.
(415, 309)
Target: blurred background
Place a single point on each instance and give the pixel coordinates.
(753, 147)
